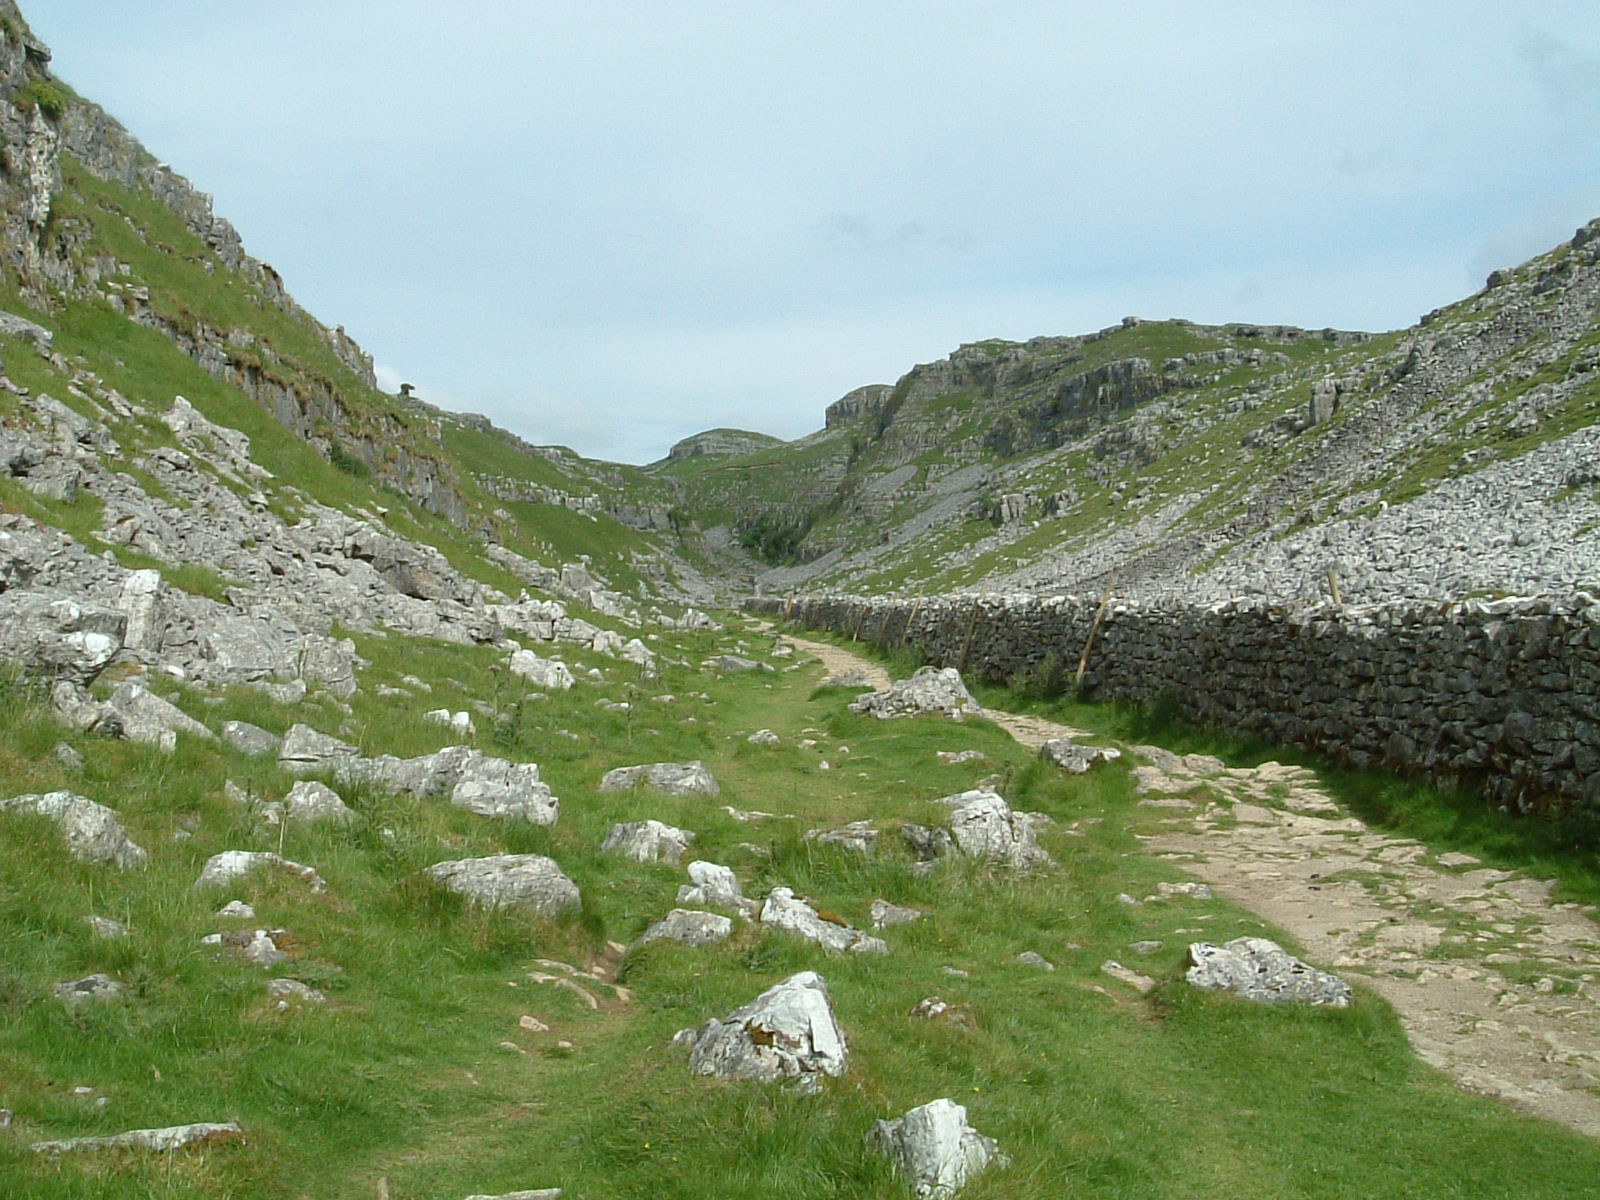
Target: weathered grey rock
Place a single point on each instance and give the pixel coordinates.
(146, 717)
(68, 757)
(927, 844)
(986, 828)
(526, 1194)
(494, 787)
(306, 751)
(91, 830)
(954, 758)
(784, 910)
(141, 600)
(859, 836)
(544, 673)
(787, 1032)
(730, 664)
(310, 802)
(52, 634)
(1258, 969)
(671, 779)
(648, 841)
(529, 881)
(237, 908)
(717, 886)
(1194, 891)
(1032, 958)
(1073, 758)
(105, 927)
(885, 914)
(75, 706)
(930, 690)
(224, 868)
(250, 739)
(934, 1149)
(690, 927)
(89, 989)
(764, 737)
(284, 990)
(175, 1137)
(459, 723)
(1140, 983)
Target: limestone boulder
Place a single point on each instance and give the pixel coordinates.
(307, 751)
(1262, 970)
(222, 869)
(930, 690)
(174, 1137)
(784, 910)
(690, 927)
(934, 1149)
(494, 787)
(545, 674)
(53, 634)
(786, 1033)
(250, 739)
(525, 881)
(648, 841)
(92, 831)
(1073, 758)
(312, 803)
(670, 779)
(716, 886)
(146, 717)
(986, 828)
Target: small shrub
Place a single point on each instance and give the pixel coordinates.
(343, 458)
(45, 97)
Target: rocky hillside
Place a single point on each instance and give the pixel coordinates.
(1449, 459)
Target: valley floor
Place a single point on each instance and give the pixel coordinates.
(1495, 983)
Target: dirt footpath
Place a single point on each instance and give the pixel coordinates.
(1496, 985)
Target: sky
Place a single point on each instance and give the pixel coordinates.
(612, 225)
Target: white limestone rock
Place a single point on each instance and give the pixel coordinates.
(545, 673)
(1073, 758)
(787, 1032)
(648, 841)
(224, 868)
(689, 926)
(174, 1137)
(784, 910)
(717, 886)
(986, 828)
(670, 779)
(934, 1149)
(1259, 969)
(930, 690)
(528, 881)
(92, 831)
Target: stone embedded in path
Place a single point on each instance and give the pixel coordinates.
(671, 779)
(173, 1137)
(934, 1149)
(690, 927)
(1073, 758)
(224, 868)
(787, 1032)
(784, 910)
(1258, 969)
(931, 689)
(529, 881)
(1140, 983)
(92, 831)
(648, 841)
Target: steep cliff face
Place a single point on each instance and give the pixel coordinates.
(69, 173)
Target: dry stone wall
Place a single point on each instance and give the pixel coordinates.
(1504, 693)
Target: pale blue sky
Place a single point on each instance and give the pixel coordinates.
(614, 224)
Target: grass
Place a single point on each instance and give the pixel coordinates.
(401, 1076)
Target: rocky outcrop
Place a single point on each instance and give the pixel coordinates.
(92, 831)
(930, 690)
(526, 881)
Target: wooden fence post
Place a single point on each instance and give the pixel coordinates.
(1094, 628)
(972, 625)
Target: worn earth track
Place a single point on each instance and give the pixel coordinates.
(1495, 983)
